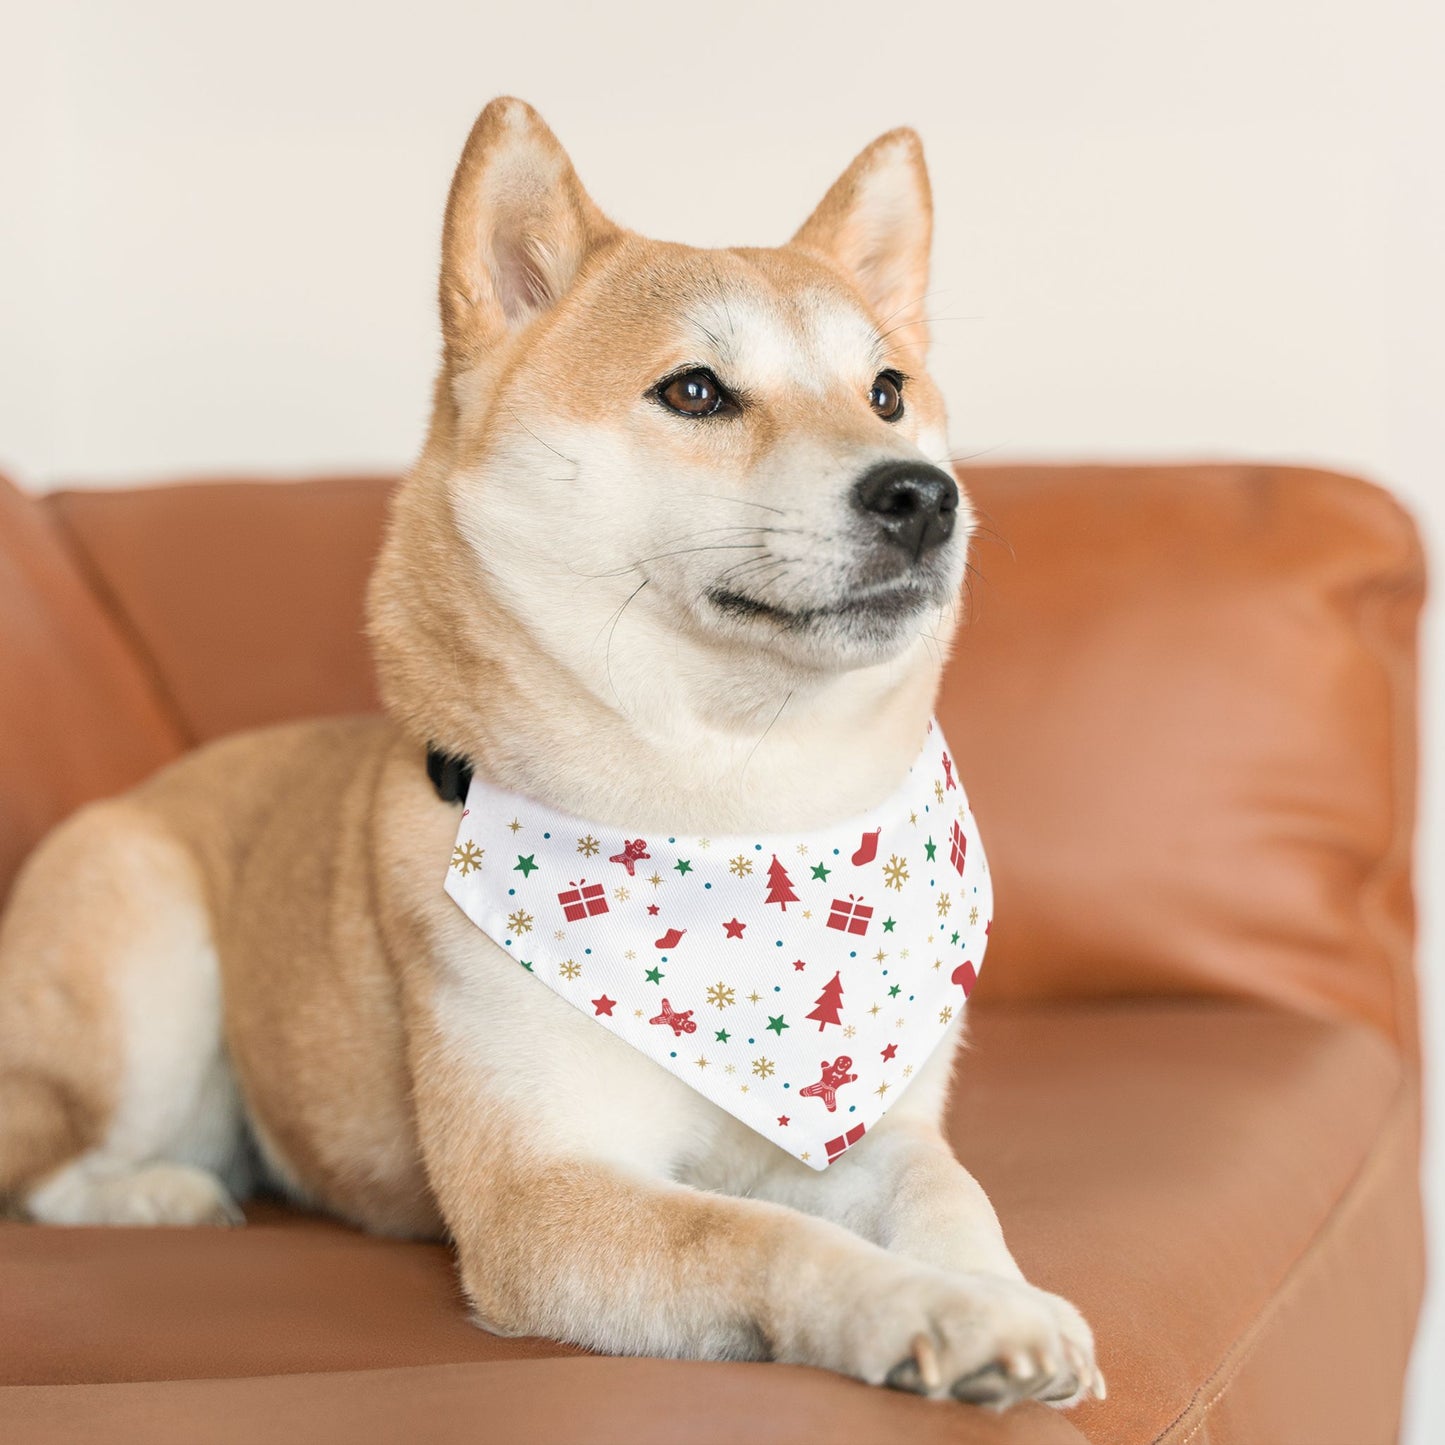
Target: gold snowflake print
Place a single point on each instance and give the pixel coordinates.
(587, 846)
(721, 995)
(897, 1023)
(745, 1088)
(849, 1031)
(570, 969)
(741, 866)
(945, 1013)
(903, 953)
(630, 954)
(621, 894)
(803, 849)
(938, 963)
(467, 858)
(730, 1068)
(704, 843)
(520, 921)
(913, 818)
(938, 790)
(763, 1068)
(907, 1069)
(945, 902)
(895, 872)
(973, 915)
(560, 934)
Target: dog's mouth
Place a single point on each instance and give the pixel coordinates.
(885, 605)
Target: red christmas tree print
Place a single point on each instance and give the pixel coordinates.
(829, 1003)
(780, 886)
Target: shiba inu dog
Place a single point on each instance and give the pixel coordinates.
(677, 555)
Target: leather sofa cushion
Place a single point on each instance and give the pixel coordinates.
(247, 597)
(1184, 704)
(79, 716)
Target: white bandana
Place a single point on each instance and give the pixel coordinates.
(798, 981)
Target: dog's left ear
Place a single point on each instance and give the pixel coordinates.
(877, 223)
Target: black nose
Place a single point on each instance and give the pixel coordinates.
(915, 504)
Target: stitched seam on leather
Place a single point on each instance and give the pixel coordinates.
(1404, 586)
(1242, 1350)
(124, 623)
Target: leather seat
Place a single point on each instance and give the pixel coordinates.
(1184, 706)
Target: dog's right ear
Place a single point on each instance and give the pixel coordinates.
(518, 228)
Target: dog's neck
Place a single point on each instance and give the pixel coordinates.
(695, 750)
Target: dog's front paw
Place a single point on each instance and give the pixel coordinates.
(982, 1338)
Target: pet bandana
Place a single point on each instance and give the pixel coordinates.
(798, 981)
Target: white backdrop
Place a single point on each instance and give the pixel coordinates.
(1163, 228)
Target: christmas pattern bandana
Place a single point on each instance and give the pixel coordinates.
(798, 981)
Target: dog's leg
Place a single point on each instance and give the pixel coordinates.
(116, 1103)
(567, 1225)
(902, 1189)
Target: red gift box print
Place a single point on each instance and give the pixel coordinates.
(582, 900)
(850, 916)
(957, 847)
(844, 1141)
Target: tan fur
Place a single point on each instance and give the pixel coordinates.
(256, 943)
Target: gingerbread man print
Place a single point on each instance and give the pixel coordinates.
(633, 851)
(679, 1023)
(835, 1075)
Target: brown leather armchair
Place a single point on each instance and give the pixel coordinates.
(1185, 704)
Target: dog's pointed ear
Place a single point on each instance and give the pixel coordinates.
(877, 223)
(518, 228)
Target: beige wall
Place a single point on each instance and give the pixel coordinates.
(1164, 228)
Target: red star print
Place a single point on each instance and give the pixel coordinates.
(783, 1120)
(653, 908)
(799, 965)
(890, 1051)
(603, 1005)
(734, 928)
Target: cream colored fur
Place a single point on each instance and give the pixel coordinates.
(248, 968)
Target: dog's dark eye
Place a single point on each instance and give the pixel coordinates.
(886, 397)
(694, 393)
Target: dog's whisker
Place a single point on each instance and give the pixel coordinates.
(612, 632)
(764, 734)
(740, 501)
(659, 556)
(571, 461)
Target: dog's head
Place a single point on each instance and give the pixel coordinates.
(736, 455)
